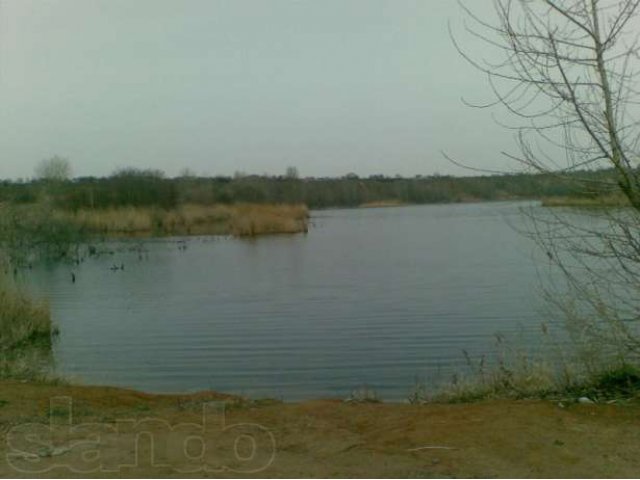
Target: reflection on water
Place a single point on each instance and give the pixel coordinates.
(371, 296)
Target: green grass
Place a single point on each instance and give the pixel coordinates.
(621, 381)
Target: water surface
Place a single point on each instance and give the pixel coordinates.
(370, 296)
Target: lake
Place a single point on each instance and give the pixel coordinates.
(376, 297)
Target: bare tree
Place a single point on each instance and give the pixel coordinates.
(566, 80)
(292, 173)
(56, 169)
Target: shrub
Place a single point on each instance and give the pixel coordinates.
(26, 335)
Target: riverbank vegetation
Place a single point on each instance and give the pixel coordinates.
(23, 321)
(26, 335)
(52, 213)
(526, 377)
(605, 200)
(582, 59)
(189, 219)
(383, 204)
(42, 230)
(150, 188)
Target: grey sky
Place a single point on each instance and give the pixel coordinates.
(330, 86)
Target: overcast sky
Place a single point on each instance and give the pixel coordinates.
(218, 86)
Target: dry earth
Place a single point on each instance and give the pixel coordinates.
(61, 431)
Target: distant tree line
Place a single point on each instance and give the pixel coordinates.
(140, 188)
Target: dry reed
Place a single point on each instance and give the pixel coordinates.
(586, 202)
(191, 219)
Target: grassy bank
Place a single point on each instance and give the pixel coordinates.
(382, 204)
(554, 369)
(614, 383)
(23, 321)
(190, 219)
(586, 202)
(26, 335)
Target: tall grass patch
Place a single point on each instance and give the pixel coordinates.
(514, 372)
(26, 334)
(191, 219)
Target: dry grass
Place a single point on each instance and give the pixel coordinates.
(383, 203)
(250, 220)
(26, 333)
(22, 320)
(586, 202)
(532, 380)
(613, 382)
(555, 371)
(239, 220)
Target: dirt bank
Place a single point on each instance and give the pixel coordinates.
(98, 431)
